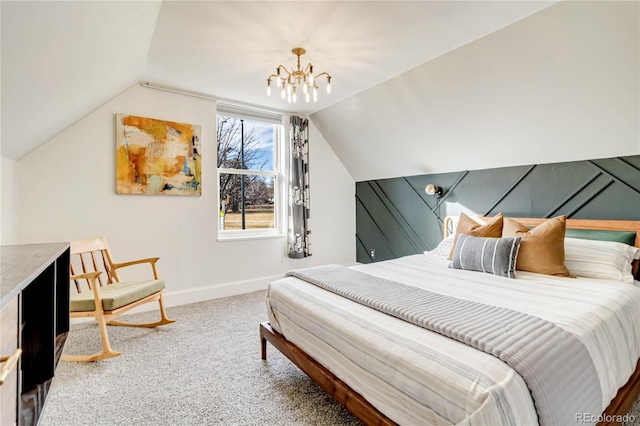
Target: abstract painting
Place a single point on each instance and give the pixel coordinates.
(157, 156)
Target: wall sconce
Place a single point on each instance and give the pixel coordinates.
(434, 190)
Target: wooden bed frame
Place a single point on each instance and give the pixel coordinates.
(369, 415)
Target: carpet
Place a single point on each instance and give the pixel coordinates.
(205, 369)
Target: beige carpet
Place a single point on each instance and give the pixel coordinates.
(203, 370)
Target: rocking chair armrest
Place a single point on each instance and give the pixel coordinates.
(95, 288)
(87, 276)
(151, 260)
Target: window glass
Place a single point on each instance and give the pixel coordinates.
(248, 139)
(259, 198)
(249, 176)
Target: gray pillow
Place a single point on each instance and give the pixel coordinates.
(491, 255)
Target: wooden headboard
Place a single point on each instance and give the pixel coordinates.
(590, 224)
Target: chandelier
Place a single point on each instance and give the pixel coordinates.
(302, 78)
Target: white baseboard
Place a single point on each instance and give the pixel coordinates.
(201, 294)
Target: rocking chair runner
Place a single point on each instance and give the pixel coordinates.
(108, 297)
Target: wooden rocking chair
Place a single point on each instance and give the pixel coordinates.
(108, 297)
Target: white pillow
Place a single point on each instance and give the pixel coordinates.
(600, 259)
(444, 248)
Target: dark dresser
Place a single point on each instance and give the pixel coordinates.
(34, 315)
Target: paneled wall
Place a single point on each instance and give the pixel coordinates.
(395, 217)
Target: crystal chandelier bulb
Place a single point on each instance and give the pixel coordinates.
(307, 97)
(305, 89)
(315, 93)
(328, 87)
(269, 90)
(278, 82)
(284, 93)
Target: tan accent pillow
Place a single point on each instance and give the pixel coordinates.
(468, 226)
(541, 248)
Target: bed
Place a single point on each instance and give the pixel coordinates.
(388, 371)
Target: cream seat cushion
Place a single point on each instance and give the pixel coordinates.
(115, 295)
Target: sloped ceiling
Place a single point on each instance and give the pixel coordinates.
(561, 85)
(61, 60)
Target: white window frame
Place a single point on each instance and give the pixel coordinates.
(278, 174)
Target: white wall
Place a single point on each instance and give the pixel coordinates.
(67, 191)
(560, 85)
(8, 201)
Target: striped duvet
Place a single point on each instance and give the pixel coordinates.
(415, 376)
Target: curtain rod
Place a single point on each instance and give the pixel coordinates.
(232, 102)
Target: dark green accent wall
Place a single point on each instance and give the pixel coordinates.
(395, 217)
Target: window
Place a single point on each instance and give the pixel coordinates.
(249, 173)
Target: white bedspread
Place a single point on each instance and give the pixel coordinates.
(414, 376)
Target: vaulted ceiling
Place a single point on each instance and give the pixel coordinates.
(63, 59)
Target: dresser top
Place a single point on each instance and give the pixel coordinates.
(21, 264)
